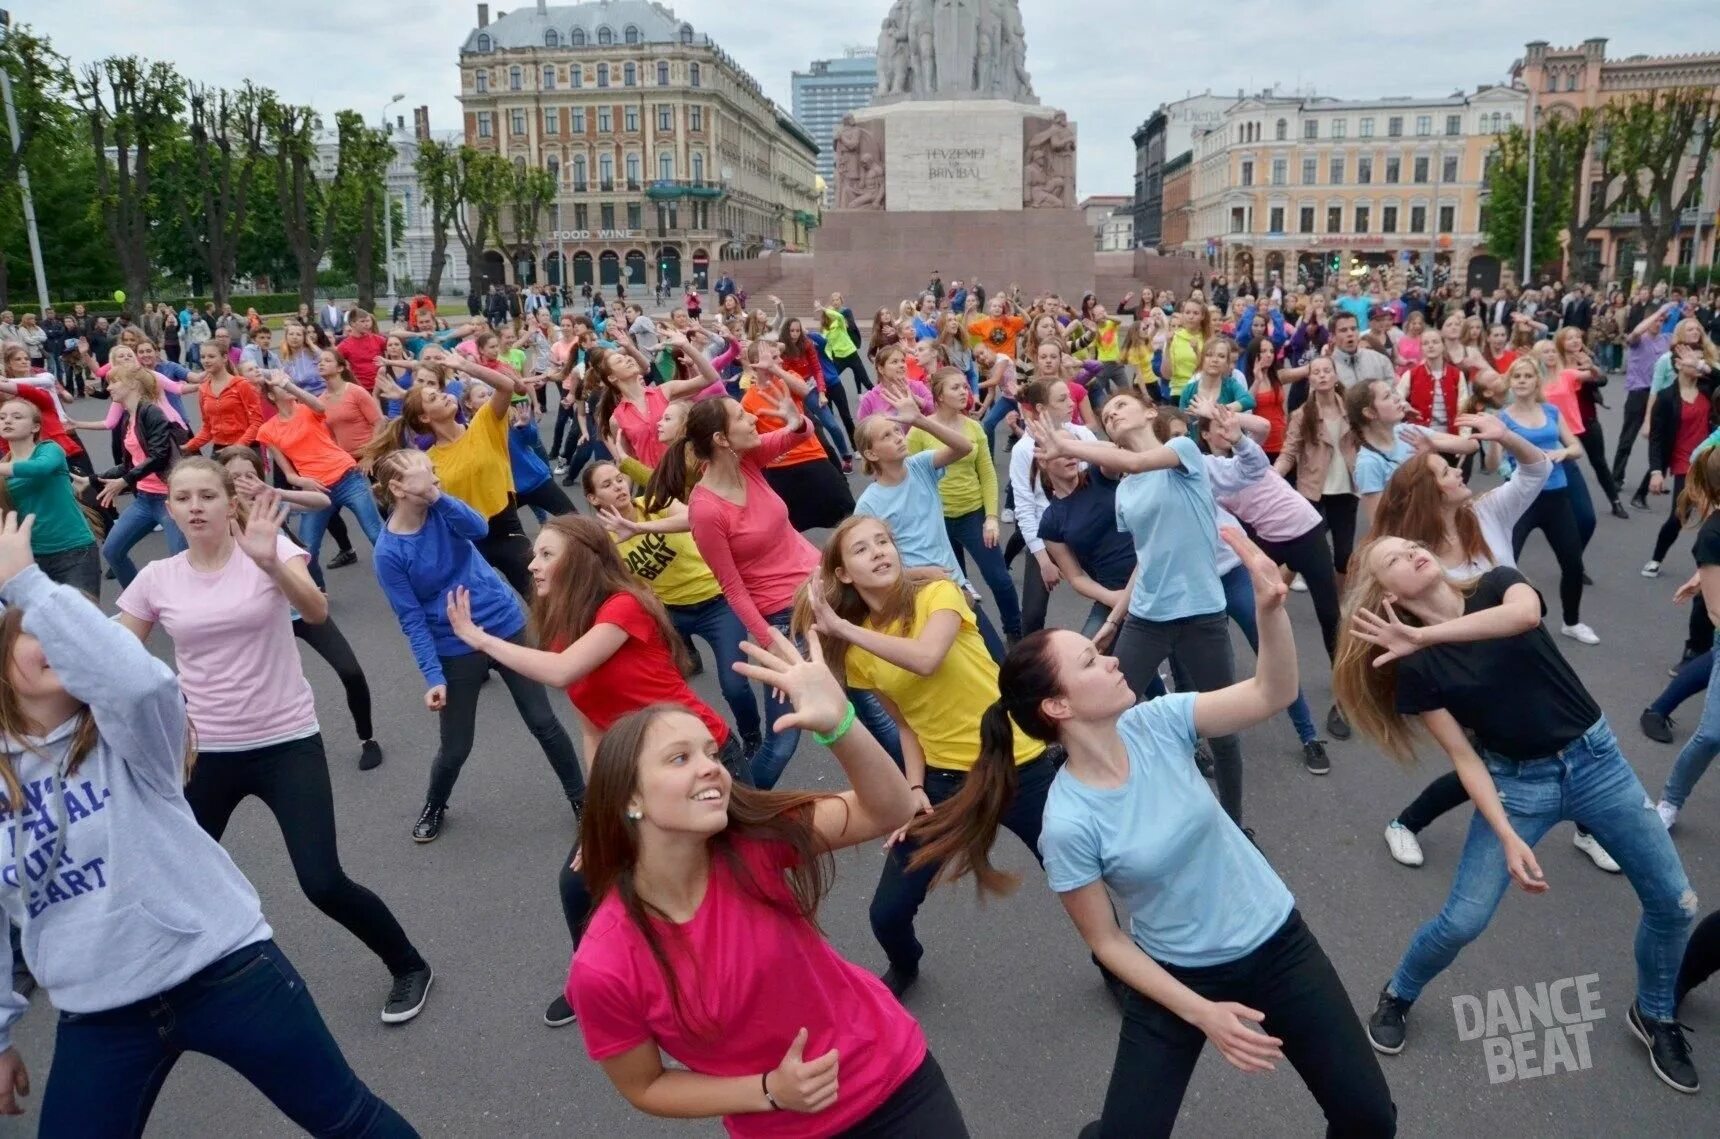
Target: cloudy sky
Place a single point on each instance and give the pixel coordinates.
(1109, 63)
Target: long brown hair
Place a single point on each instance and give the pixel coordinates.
(609, 847)
(395, 434)
(895, 618)
(1412, 506)
(1311, 406)
(588, 573)
(1701, 488)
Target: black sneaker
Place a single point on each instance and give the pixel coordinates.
(369, 756)
(1668, 1051)
(1203, 759)
(429, 823)
(1639, 502)
(1386, 1026)
(1336, 726)
(343, 559)
(559, 1012)
(1315, 759)
(1618, 510)
(407, 995)
(1655, 726)
(899, 981)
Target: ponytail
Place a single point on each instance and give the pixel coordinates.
(957, 837)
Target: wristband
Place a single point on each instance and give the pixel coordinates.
(841, 728)
(916, 786)
(764, 1082)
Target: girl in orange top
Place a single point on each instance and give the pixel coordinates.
(804, 477)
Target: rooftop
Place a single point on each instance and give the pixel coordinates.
(528, 25)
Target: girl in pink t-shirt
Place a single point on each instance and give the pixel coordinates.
(704, 943)
(228, 602)
(631, 406)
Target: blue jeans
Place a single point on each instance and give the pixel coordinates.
(772, 756)
(251, 1011)
(1692, 677)
(722, 630)
(1239, 603)
(1700, 748)
(967, 535)
(352, 492)
(1000, 408)
(1588, 782)
(140, 517)
(820, 411)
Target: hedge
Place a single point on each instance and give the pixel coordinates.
(264, 303)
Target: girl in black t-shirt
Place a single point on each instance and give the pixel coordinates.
(1419, 646)
(1699, 499)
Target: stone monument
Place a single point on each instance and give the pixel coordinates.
(955, 166)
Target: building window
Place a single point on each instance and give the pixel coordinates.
(603, 75)
(1335, 169)
(1367, 128)
(1248, 172)
(1311, 128)
(1423, 125)
(606, 172)
(605, 37)
(551, 121)
(1340, 128)
(1454, 124)
(1388, 219)
(578, 37)
(666, 166)
(1447, 218)
(686, 33)
(605, 120)
(1281, 131)
(629, 75)
(1394, 167)
(1334, 219)
(1238, 217)
(517, 121)
(553, 165)
(1362, 213)
(662, 75)
(1418, 219)
(631, 35)
(1275, 219)
(635, 216)
(696, 118)
(632, 171)
(630, 119)
(665, 117)
(579, 173)
(484, 130)
(1552, 81)
(548, 78)
(1305, 220)
(1310, 171)
(1394, 127)
(1364, 171)
(606, 215)
(516, 78)
(576, 75)
(484, 43)
(693, 76)
(1448, 168)
(1419, 177)
(698, 168)
(581, 215)
(1280, 171)
(579, 120)
(552, 38)
(520, 164)
(481, 81)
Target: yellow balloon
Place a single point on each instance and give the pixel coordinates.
(119, 295)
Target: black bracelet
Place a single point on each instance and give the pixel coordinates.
(764, 1082)
(916, 786)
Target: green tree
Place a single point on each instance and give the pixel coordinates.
(1574, 138)
(1667, 138)
(306, 218)
(438, 169)
(529, 191)
(484, 182)
(1507, 189)
(130, 106)
(225, 142)
(264, 254)
(358, 199)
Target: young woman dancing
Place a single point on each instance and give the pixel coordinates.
(1127, 812)
(1384, 441)
(428, 548)
(146, 438)
(1049, 403)
(1419, 646)
(1320, 447)
(1699, 498)
(1678, 421)
(779, 1035)
(38, 484)
(227, 604)
(83, 700)
(805, 476)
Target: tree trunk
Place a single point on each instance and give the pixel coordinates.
(364, 255)
(438, 261)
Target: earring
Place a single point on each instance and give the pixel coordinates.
(635, 814)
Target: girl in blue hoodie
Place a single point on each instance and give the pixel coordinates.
(144, 934)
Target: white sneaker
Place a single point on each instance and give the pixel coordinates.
(1298, 584)
(1652, 569)
(1580, 632)
(1596, 852)
(1668, 813)
(1403, 845)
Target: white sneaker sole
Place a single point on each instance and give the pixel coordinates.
(1630, 1022)
(403, 1017)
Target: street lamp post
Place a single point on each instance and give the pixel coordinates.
(1529, 205)
(388, 200)
(29, 203)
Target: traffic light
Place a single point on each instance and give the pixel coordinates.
(1336, 264)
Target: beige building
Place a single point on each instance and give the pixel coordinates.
(1562, 81)
(1111, 219)
(1300, 188)
(667, 155)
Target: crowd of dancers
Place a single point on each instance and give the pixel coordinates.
(1180, 467)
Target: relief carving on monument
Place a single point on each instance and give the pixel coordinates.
(1048, 163)
(953, 49)
(859, 165)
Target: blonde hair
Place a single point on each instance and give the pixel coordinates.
(866, 434)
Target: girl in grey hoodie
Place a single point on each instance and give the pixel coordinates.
(144, 934)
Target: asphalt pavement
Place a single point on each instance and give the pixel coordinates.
(1007, 996)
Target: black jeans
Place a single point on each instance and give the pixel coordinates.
(1290, 979)
(1670, 528)
(80, 568)
(549, 498)
(1339, 512)
(921, 1106)
(507, 549)
(1554, 515)
(1701, 955)
(464, 676)
(1199, 649)
(901, 891)
(1635, 411)
(1594, 443)
(330, 643)
(1035, 598)
(252, 1012)
(852, 363)
(1311, 557)
(292, 781)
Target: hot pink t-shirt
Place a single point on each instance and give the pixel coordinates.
(875, 402)
(139, 454)
(232, 633)
(751, 974)
(639, 428)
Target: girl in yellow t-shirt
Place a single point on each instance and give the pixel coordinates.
(658, 548)
(916, 644)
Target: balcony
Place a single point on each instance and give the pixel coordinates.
(607, 185)
(665, 189)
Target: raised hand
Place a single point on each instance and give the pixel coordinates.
(16, 554)
(1489, 428)
(1269, 588)
(1385, 630)
(819, 701)
(263, 529)
(617, 523)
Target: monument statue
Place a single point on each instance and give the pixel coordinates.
(1048, 164)
(859, 167)
(953, 49)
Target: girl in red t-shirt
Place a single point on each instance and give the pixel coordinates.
(704, 943)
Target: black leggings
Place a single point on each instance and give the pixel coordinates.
(1290, 979)
(852, 363)
(506, 548)
(547, 497)
(1701, 955)
(1311, 557)
(1670, 528)
(330, 643)
(1594, 443)
(816, 493)
(1339, 513)
(836, 396)
(336, 529)
(1035, 598)
(292, 781)
(1553, 515)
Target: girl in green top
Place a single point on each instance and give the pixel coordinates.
(969, 493)
(38, 481)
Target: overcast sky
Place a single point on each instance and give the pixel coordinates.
(1109, 63)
